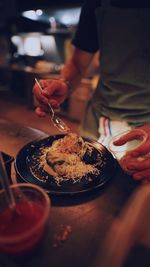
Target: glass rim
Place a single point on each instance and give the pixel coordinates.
(28, 233)
(114, 138)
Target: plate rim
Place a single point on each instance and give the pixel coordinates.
(62, 193)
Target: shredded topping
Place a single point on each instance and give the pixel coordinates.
(64, 160)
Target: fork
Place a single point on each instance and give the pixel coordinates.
(57, 122)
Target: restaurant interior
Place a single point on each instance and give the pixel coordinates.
(35, 41)
(102, 222)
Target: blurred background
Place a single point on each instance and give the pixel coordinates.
(35, 40)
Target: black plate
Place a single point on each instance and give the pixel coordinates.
(27, 160)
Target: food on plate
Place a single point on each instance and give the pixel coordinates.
(69, 158)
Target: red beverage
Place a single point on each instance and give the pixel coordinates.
(22, 229)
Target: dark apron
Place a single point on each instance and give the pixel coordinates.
(123, 92)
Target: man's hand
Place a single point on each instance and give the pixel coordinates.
(54, 92)
(139, 163)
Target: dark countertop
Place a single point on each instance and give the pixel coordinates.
(89, 215)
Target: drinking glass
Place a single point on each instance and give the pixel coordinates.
(121, 152)
(23, 228)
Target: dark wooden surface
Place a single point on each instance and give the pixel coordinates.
(89, 215)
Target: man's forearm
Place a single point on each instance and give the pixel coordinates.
(76, 67)
(71, 74)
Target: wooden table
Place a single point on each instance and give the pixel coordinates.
(89, 216)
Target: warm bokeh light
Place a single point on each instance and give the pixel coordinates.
(32, 46)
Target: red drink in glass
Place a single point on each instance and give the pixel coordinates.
(22, 229)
